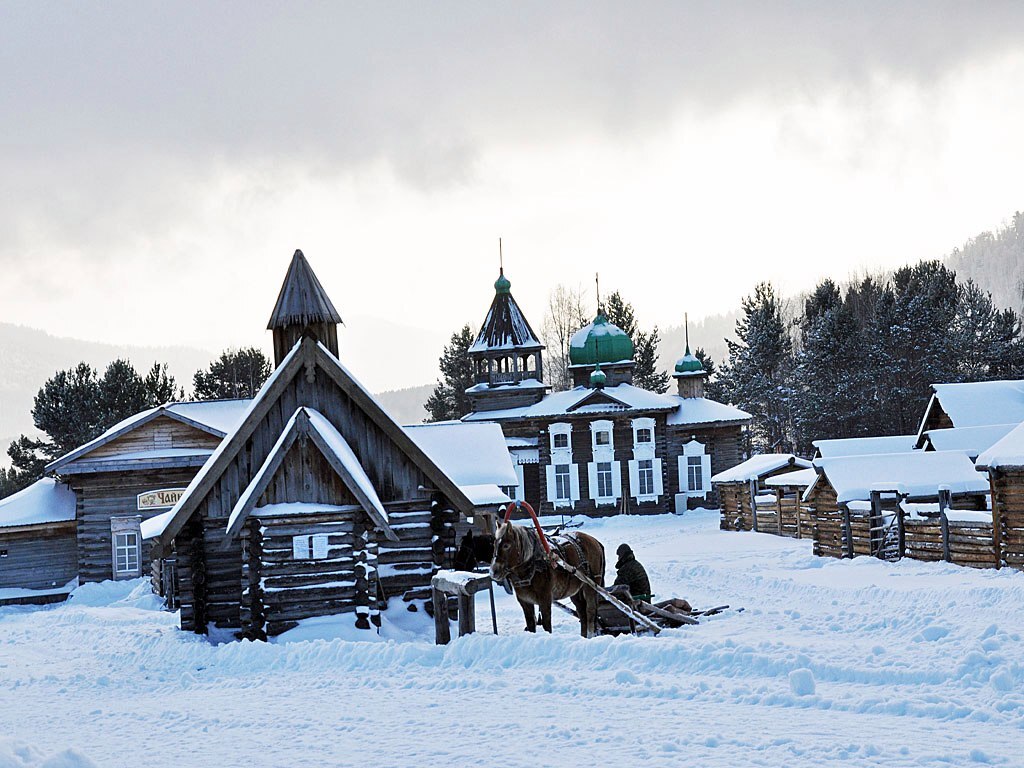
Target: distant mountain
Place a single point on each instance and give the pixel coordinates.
(406, 405)
(995, 261)
(28, 357)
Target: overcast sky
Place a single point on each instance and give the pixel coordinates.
(161, 161)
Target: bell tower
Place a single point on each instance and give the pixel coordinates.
(302, 307)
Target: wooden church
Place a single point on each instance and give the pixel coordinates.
(605, 446)
(316, 503)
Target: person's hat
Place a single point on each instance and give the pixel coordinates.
(623, 550)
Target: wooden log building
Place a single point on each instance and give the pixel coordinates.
(605, 446)
(317, 502)
(746, 503)
(857, 501)
(1004, 464)
(38, 550)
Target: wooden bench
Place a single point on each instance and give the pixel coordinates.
(464, 585)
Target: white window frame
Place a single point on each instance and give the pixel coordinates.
(563, 478)
(645, 472)
(563, 451)
(130, 529)
(694, 449)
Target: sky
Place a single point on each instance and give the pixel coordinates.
(162, 161)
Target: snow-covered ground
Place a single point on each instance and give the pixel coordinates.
(857, 661)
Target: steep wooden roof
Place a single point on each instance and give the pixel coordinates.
(302, 300)
(505, 326)
(307, 359)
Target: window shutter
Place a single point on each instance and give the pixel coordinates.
(617, 479)
(705, 470)
(634, 478)
(550, 472)
(684, 478)
(658, 485)
(592, 479)
(574, 482)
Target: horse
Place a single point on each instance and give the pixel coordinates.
(519, 557)
(473, 550)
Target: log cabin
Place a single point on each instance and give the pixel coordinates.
(1004, 464)
(604, 446)
(38, 550)
(317, 502)
(855, 501)
(741, 490)
(972, 404)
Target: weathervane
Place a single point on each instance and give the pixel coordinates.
(597, 287)
(501, 259)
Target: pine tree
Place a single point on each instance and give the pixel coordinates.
(449, 399)
(120, 393)
(757, 375)
(237, 373)
(911, 345)
(833, 381)
(160, 386)
(987, 340)
(645, 345)
(712, 386)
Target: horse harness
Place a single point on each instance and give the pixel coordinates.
(538, 561)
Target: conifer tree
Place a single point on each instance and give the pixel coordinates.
(757, 375)
(449, 399)
(237, 373)
(645, 345)
(160, 386)
(120, 393)
(833, 378)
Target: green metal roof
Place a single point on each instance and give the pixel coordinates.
(688, 363)
(599, 342)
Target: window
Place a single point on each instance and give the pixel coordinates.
(126, 553)
(602, 438)
(563, 489)
(646, 476)
(644, 436)
(560, 440)
(694, 473)
(604, 480)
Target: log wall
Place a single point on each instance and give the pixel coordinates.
(1008, 515)
(962, 542)
(38, 556)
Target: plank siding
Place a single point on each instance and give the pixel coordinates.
(160, 433)
(40, 557)
(103, 495)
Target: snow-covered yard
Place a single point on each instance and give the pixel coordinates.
(858, 661)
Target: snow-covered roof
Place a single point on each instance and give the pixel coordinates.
(975, 404)
(515, 443)
(506, 386)
(1007, 452)
(218, 417)
(914, 474)
(864, 446)
(700, 410)
(758, 466)
(623, 397)
(155, 525)
(800, 478)
(972, 440)
(470, 454)
(485, 494)
(45, 501)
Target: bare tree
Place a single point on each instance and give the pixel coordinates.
(566, 314)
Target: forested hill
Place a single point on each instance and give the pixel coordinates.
(28, 357)
(995, 261)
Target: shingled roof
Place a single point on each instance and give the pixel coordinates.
(505, 326)
(302, 300)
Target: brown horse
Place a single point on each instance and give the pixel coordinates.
(520, 558)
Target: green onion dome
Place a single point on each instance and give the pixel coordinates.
(598, 378)
(688, 363)
(502, 284)
(600, 342)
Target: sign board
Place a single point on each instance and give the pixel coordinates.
(162, 499)
(319, 547)
(300, 547)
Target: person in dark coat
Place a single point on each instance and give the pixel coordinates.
(632, 575)
(629, 573)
